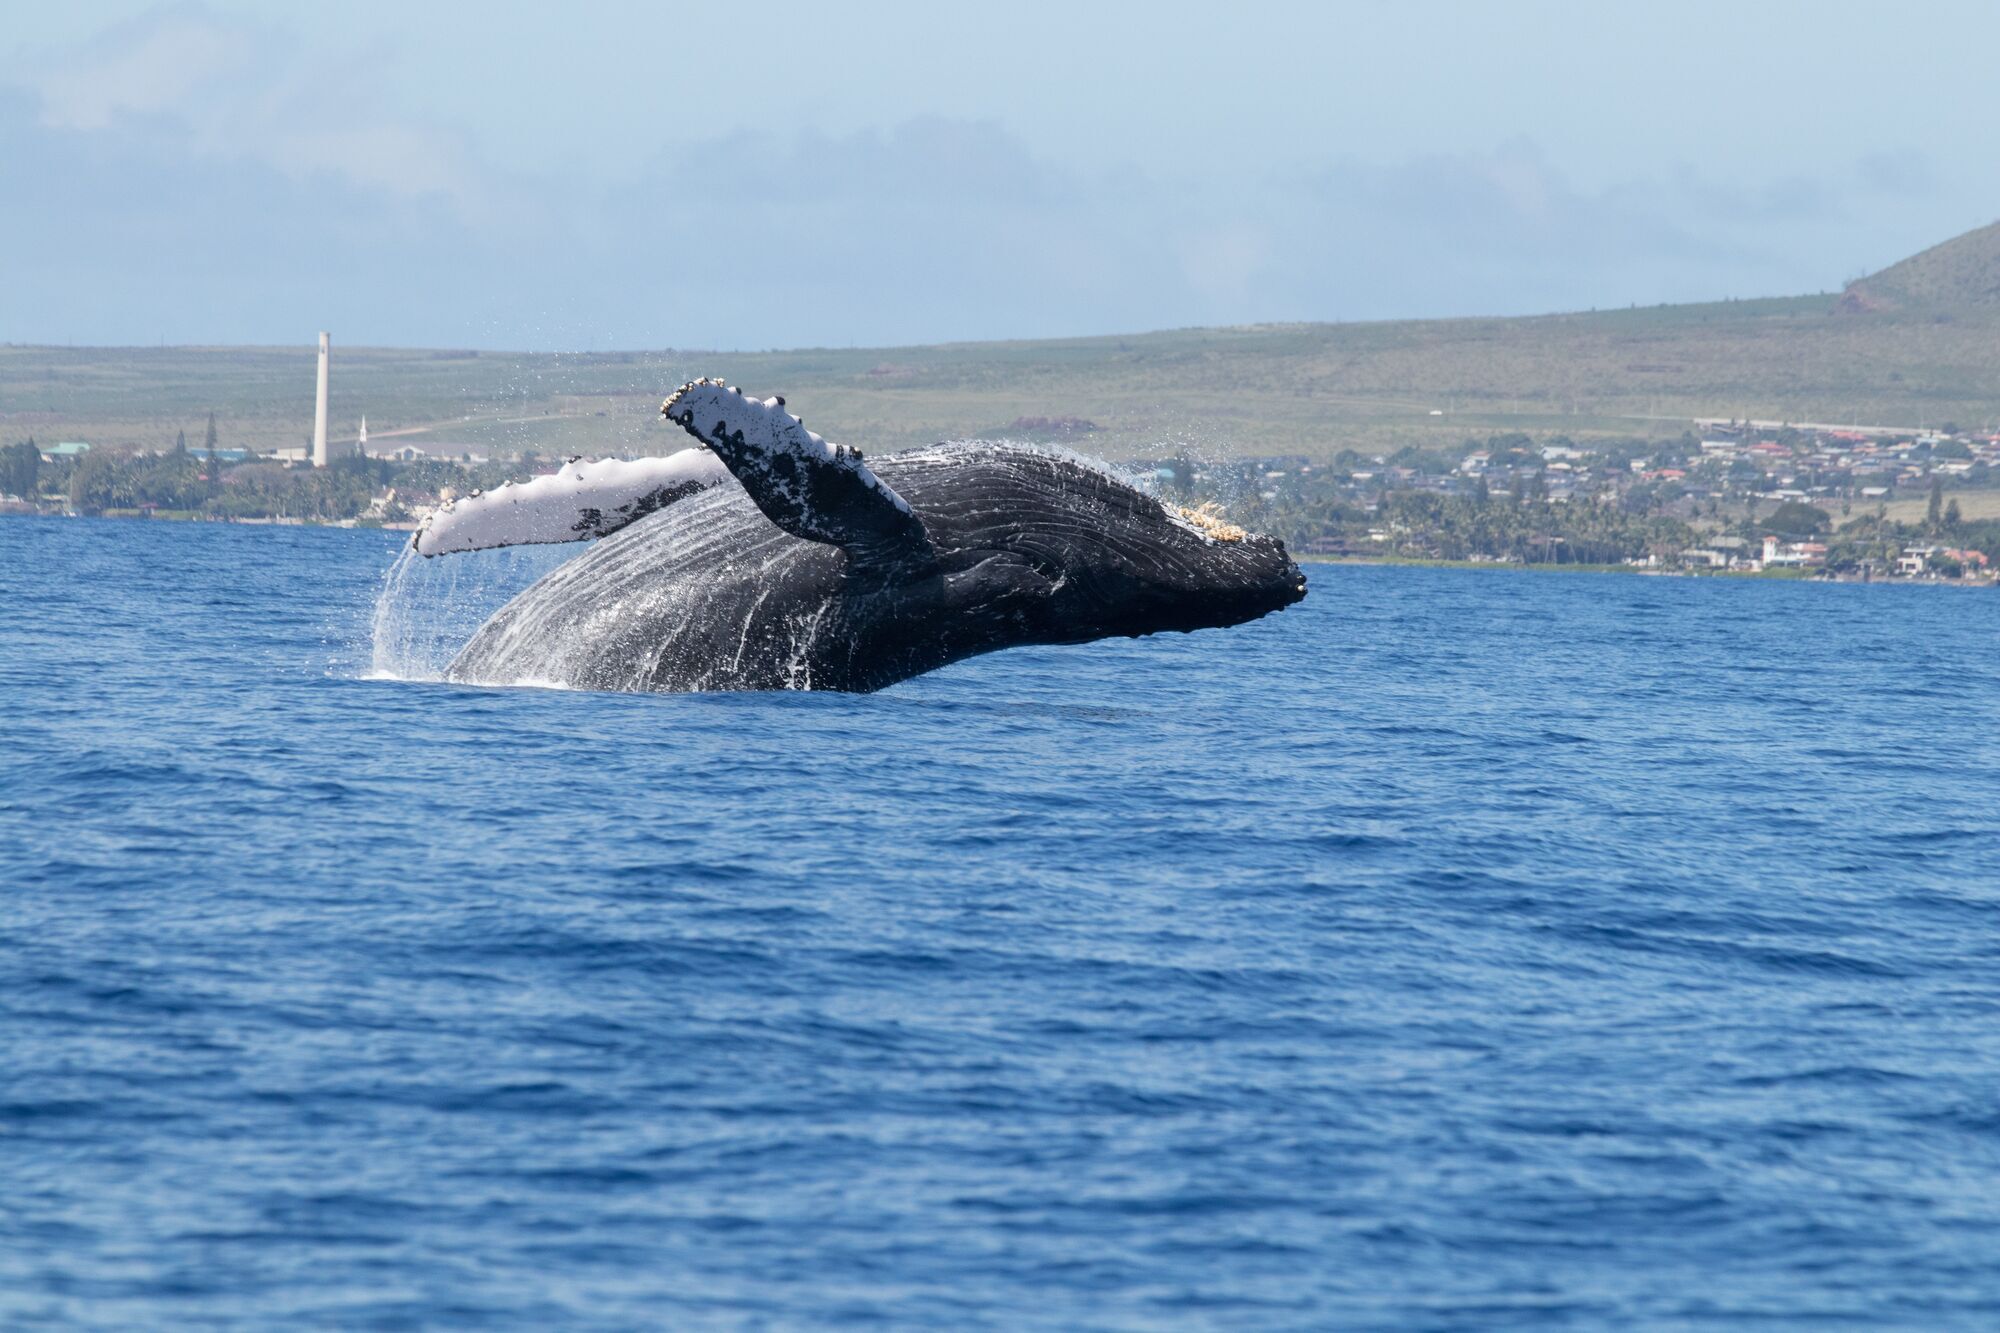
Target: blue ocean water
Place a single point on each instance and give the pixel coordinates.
(1453, 950)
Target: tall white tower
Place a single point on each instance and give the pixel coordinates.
(319, 409)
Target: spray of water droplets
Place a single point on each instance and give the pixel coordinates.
(425, 609)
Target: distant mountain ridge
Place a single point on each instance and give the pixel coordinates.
(1962, 273)
(1913, 346)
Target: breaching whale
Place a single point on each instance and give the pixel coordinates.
(768, 558)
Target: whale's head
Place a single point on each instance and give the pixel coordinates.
(1090, 555)
(1174, 570)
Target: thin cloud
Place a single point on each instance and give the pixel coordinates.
(162, 63)
(230, 89)
(178, 177)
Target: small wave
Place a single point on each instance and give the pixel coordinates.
(1854, 1076)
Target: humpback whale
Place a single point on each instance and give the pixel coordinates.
(768, 558)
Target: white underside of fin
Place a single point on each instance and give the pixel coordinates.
(580, 502)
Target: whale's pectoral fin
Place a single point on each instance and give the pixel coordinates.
(580, 502)
(812, 489)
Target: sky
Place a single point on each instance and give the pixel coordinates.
(759, 175)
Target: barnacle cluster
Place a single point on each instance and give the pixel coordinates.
(1208, 517)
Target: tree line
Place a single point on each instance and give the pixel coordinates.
(199, 480)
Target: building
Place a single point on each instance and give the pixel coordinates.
(319, 454)
(1718, 553)
(1792, 555)
(412, 449)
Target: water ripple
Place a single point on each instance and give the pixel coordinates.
(1450, 951)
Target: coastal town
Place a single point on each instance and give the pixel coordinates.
(1722, 497)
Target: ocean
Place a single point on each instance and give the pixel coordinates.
(1454, 950)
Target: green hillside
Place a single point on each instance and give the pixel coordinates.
(1960, 276)
(1917, 344)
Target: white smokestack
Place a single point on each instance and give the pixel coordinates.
(319, 409)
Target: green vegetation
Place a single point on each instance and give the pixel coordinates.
(1910, 346)
(183, 483)
(1960, 276)
(1311, 389)
(20, 469)
(1525, 530)
(1797, 520)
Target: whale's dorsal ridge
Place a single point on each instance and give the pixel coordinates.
(813, 489)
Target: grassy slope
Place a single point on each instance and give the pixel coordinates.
(1960, 274)
(1259, 390)
(1971, 505)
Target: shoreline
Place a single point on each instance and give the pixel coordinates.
(1519, 567)
(14, 510)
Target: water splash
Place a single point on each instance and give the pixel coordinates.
(425, 609)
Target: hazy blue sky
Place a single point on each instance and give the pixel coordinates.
(627, 175)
